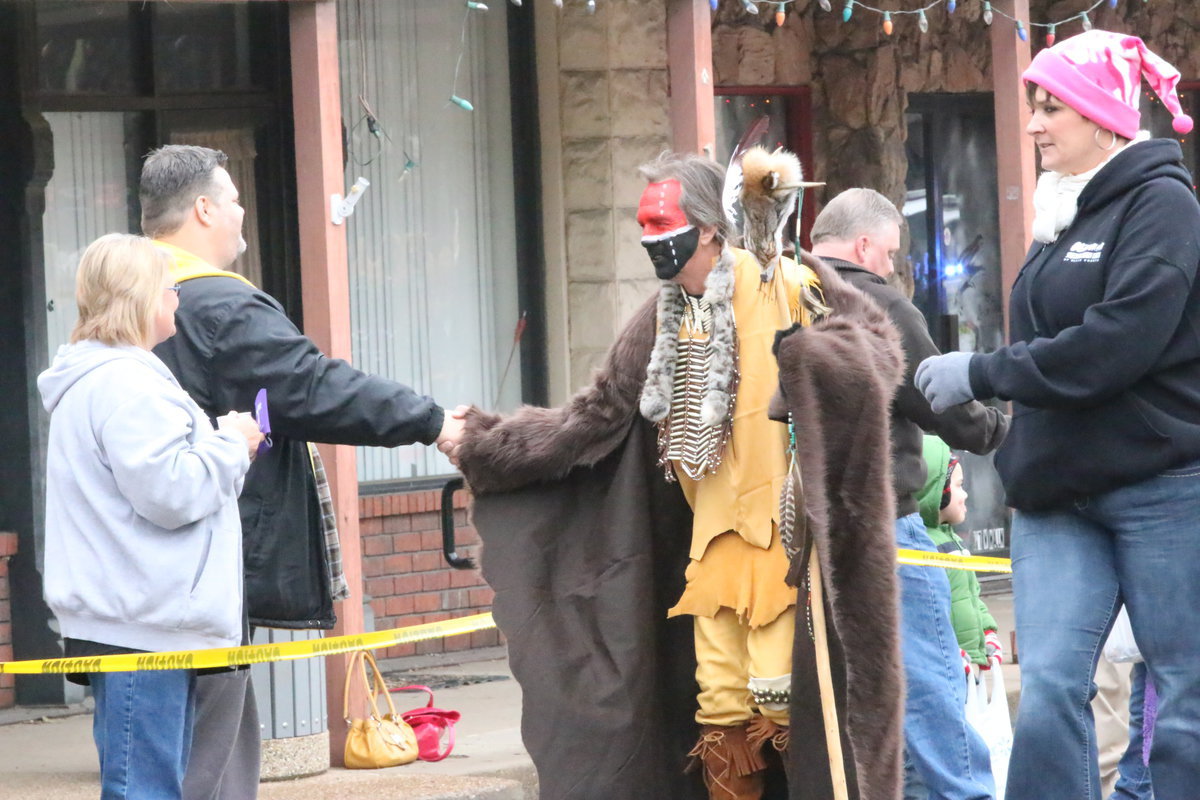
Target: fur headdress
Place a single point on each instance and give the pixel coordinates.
(771, 184)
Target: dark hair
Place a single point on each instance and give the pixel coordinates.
(173, 177)
(1031, 92)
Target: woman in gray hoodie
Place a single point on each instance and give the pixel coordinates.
(143, 537)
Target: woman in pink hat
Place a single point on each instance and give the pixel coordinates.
(1102, 464)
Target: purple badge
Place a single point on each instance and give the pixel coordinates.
(264, 420)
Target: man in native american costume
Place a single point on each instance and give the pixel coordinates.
(654, 495)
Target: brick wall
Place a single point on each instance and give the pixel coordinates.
(8, 548)
(406, 576)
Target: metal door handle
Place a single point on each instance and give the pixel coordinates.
(448, 546)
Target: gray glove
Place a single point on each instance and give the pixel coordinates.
(945, 380)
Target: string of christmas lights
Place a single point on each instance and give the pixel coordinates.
(1021, 27)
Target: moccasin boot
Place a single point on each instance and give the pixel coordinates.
(765, 736)
(732, 768)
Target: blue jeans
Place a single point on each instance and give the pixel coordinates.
(1072, 568)
(1133, 776)
(143, 732)
(948, 756)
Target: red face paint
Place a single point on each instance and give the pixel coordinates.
(666, 233)
(659, 213)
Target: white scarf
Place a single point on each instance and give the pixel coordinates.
(1056, 198)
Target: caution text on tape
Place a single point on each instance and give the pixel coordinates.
(291, 651)
(950, 561)
(252, 654)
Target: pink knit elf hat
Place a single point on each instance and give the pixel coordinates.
(1099, 74)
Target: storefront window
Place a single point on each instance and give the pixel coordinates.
(203, 48)
(85, 48)
(102, 123)
(951, 207)
(789, 111)
(433, 267)
(736, 113)
(88, 196)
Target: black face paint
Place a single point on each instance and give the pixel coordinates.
(671, 254)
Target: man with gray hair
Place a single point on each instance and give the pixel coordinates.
(233, 340)
(858, 234)
(646, 571)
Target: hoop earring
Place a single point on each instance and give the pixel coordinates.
(1096, 136)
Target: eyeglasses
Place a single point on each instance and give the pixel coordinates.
(174, 288)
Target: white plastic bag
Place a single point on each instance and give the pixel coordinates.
(1121, 646)
(988, 714)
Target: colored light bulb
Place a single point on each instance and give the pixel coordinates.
(922, 22)
(848, 11)
(888, 27)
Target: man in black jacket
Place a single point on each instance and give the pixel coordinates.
(858, 234)
(233, 340)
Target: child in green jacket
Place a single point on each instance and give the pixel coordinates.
(943, 504)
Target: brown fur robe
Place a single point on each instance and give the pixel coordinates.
(585, 546)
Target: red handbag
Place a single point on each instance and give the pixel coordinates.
(434, 727)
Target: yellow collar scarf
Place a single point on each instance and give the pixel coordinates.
(185, 266)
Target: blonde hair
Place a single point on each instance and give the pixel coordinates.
(118, 289)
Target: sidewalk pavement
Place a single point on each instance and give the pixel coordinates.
(49, 754)
(52, 757)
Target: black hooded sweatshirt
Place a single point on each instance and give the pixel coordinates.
(1104, 365)
(970, 426)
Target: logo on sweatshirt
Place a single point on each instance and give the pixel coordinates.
(1085, 252)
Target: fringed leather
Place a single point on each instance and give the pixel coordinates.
(725, 751)
(762, 731)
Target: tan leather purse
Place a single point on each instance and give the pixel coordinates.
(382, 740)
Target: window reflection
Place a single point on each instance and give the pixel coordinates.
(736, 113)
(202, 48)
(88, 197)
(951, 207)
(85, 48)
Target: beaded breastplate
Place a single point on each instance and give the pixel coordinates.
(683, 437)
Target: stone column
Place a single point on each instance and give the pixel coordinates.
(614, 116)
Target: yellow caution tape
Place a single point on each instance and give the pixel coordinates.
(252, 654)
(923, 558)
(293, 651)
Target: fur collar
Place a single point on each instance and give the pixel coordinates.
(660, 372)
